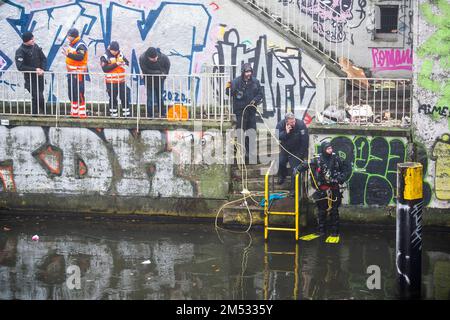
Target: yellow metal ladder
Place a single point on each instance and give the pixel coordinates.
(267, 211)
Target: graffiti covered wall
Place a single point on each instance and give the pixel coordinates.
(78, 161)
(194, 34)
(432, 95)
(358, 22)
(374, 162)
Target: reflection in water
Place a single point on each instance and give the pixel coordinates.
(193, 261)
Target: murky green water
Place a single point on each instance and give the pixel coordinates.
(136, 259)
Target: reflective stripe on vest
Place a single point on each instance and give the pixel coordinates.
(116, 75)
(74, 65)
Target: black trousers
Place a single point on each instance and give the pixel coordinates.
(249, 122)
(155, 103)
(323, 208)
(119, 89)
(35, 86)
(283, 160)
(76, 88)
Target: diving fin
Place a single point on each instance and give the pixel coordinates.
(310, 236)
(332, 239)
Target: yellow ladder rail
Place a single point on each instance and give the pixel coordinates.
(268, 270)
(267, 212)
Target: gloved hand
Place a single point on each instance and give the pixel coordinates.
(300, 168)
(319, 195)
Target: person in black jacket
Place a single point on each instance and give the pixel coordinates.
(32, 61)
(113, 63)
(246, 90)
(328, 172)
(294, 137)
(155, 66)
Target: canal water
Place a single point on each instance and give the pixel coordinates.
(146, 259)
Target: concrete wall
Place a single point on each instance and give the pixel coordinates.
(69, 168)
(194, 34)
(432, 96)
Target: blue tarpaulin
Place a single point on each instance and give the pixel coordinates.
(272, 197)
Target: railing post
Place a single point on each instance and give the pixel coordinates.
(192, 91)
(409, 229)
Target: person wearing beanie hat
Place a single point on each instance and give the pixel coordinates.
(114, 45)
(246, 93)
(155, 67)
(76, 62)
(113, 64)
(73, 33)
(328, 171)
(27, 36)
(31, 60)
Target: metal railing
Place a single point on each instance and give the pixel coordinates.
(315, 22)
(194, 97)
(364, 101)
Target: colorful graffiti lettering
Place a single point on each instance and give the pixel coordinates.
(101, 23)
(391, 59)
(441, 154)
(286, 85)
(331, 16)
(374, 160)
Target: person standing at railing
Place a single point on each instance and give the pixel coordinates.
(32, 61)
(113, 63)
(246, 90)
(294, 137)
(155, 66)
(76, 62)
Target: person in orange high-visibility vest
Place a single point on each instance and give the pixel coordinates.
(113, 64)
(76, 62)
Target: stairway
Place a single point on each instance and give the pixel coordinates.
(299, 22)
(237, 213)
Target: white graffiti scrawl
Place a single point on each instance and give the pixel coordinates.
(286, 85)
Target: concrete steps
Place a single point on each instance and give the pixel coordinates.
(258, 185)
